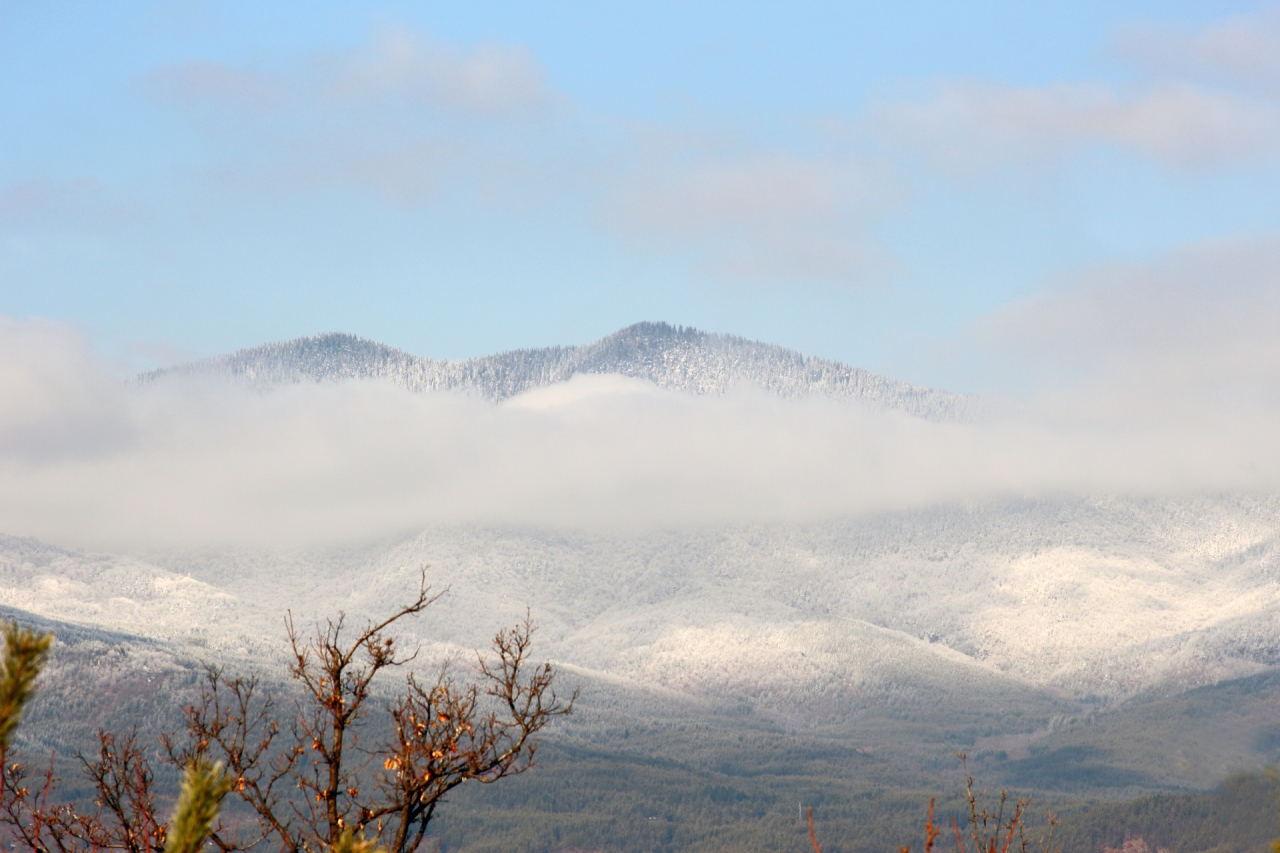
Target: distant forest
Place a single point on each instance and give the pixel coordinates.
(583, 801)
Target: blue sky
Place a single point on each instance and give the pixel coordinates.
(886, 184)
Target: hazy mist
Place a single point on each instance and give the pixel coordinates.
(1159, 379)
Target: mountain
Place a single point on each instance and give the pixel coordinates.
(908, 633)
(1076, 645)
(672, 357)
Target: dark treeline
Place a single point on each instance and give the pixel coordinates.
(595, 801)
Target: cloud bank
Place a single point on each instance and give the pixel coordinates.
(1156, 379)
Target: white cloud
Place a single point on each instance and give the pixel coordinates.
(970, 125)
(401, 116)
(419, 122)
(57, 401)
(1240, 49)
(98, 464)
(1202, 99)
(396, 64)
(748, 190)
(198, 83)
(581, 387)
(85, 204)
(1205, 312)
(762, 216)
(489, 78)
(1176, 359)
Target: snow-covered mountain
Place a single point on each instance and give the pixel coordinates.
(982, 622)
(1000, 617)
(672, 357)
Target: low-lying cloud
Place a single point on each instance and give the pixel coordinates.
(1155, 379)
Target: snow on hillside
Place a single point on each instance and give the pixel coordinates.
(1097, 599)
(672, 357)
(1016, 609)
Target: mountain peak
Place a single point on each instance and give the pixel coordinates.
(679, 358)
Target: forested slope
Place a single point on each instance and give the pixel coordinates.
(672, 357)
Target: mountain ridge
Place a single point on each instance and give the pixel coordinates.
(678, 358)
(1038, 635)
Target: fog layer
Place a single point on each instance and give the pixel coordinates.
(1138, 383)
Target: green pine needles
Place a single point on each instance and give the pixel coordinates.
(349, 842)
(127, 824)
(25, 652)
(203, 789)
